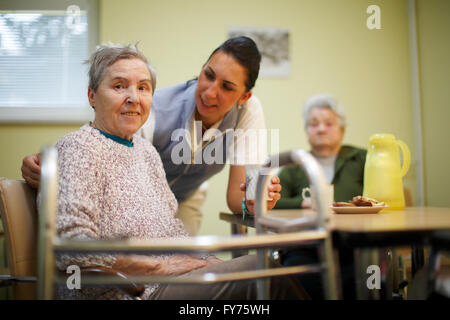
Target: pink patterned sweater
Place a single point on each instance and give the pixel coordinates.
(111, 191)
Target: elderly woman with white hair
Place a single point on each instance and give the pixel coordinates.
(344, 168)
(343, 165)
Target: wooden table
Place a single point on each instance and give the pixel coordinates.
(412, 226)
(388, 224)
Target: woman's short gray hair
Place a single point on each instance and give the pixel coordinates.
(323, 100)
(108, 54)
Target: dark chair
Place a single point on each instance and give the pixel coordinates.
(438, 274)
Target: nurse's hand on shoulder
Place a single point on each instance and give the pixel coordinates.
(31, 170)
(274, 190)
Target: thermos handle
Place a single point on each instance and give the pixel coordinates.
(406, 157)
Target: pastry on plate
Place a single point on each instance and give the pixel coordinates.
(361, 201)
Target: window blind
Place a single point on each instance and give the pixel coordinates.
(41, 59)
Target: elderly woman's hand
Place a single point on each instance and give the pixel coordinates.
(274, 190)
(181, 263)
(142, 265)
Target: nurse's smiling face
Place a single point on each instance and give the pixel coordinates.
(221, 85)
(123, 99)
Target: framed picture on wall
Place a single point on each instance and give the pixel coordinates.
(273, 44)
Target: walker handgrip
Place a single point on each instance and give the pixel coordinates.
(279, 160)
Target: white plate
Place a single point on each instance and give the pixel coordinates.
(358, 209)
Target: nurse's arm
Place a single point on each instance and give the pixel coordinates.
(236, 191)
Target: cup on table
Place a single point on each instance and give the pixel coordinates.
(251, 178)
(328, 194)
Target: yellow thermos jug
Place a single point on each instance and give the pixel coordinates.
(382, 172)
